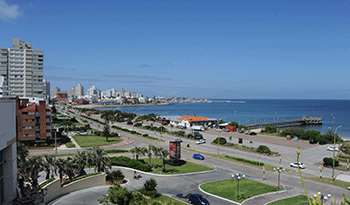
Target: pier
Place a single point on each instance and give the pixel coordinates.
(288, 123)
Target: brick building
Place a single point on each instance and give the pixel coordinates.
(34, 122)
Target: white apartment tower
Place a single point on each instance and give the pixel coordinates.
(46, 89)
(22, 68)
(79, 90)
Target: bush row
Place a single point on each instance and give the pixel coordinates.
(314, 135)
(245, 160)
(132, 163)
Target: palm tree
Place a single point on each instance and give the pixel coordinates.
(163, 154)
(69, 167)
(81, 160)
(49, 166)
(151, 148)
(106, 128)
(100, 160)
(139, 151)
(35, 166)
(60, 165)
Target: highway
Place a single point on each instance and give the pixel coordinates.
(175, 185)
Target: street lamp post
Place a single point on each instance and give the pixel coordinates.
(334, 150)
(279, 170)
(323, 198)
(238, 176)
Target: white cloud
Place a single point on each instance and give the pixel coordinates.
(8, 11)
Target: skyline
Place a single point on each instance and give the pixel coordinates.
(201, 49)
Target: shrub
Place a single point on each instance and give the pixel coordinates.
(132, 131)
(129, 123)
(150, 193)
(150, 184)
(190, 136)
(328, 161)
(220, 140)
(263, 149)
(180, 133)
(138, 125)
(132, 163)
(147, 127)
(245, 160)
(145, 135)
(115, 175)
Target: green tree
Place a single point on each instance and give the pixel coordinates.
(100, 159)
(149, 151)
(120, 195)
(60, 166)
(163, 154)
(49, 166)
(106, 128)
(35, 164)
(81, 160)
(138, 151)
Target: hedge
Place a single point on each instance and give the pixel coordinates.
(245, 160)
(132, 163)
(328, 161)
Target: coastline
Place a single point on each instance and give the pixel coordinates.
(91, 106)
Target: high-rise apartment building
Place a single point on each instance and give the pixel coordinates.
(72, 92)
(55, 90)
(22, 68)
(46, 89)
(79, 90)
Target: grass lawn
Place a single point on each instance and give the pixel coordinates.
(267, 166)
(34, 148)
(70, 145)
(329, 181)
(164, 200)
(228, 189)
(296, 200)
(189, 167)
(93, 140)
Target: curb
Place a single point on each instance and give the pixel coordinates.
(165, 175)
(282, 198)
(213, 195)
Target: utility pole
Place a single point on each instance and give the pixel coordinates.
(56, 143)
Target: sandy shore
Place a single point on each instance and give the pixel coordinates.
(133, 105)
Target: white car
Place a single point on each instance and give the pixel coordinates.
(332, 148)
(218, 130)
(295, 164)
(200, 141)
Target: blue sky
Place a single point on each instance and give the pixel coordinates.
(207, 49)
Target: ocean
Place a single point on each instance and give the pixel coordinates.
(259, 111)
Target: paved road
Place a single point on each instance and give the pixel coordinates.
(189, 184)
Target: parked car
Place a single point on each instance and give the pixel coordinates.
(241, 131)
(218, 130)
(332, 148)
(197, 199)
(312, 141)
(295, 164)
(246, 132)
(198, 156)
(252, 133)
(322, 142)
(226, 130)
(200, 141)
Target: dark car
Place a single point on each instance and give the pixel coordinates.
(252, 133)
(312, 141)
(198, 156)
(198, 199)
(322, 142)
